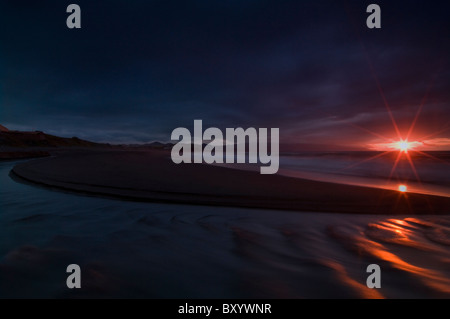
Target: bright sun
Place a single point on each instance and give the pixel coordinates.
(403, 146)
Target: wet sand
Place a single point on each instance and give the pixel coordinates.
(152, 176)
(129, 249)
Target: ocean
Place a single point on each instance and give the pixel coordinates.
(425, 173)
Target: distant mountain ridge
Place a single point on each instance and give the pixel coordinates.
(21, 139)
(40, 139)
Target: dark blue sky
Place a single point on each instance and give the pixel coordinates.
(138, 69)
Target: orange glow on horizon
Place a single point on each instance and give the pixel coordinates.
(401, 145)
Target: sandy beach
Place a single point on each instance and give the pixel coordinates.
(152, 176)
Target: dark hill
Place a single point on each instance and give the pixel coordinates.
(40, 139)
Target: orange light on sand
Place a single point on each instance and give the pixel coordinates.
(402, 188)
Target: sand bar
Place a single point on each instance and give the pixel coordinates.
(152, 176)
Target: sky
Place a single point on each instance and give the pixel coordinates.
(136, 70)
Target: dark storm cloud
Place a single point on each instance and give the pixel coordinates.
(138, 69)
